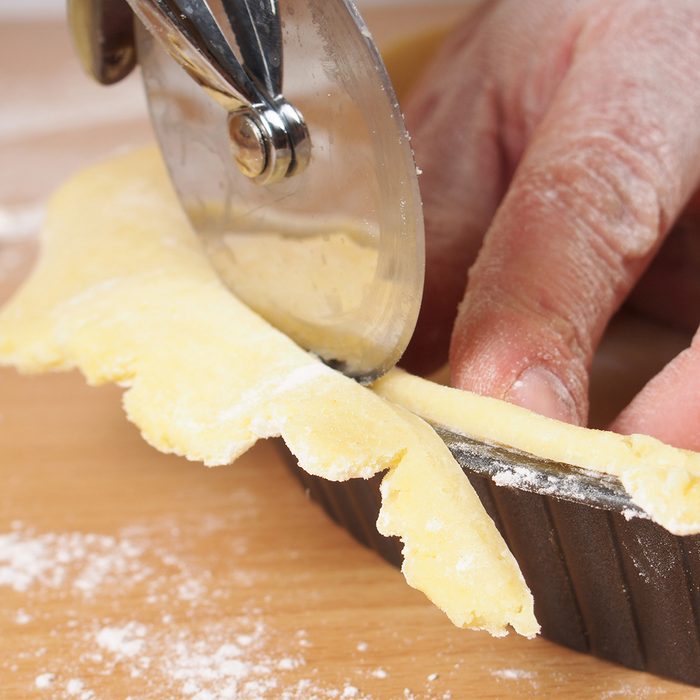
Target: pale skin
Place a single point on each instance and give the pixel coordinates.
(560, 142)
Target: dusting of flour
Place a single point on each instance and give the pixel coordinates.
(162, 653)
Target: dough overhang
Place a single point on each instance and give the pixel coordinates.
(663, 480)
(124, 292)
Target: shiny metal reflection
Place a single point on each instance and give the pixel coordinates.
(334, 255)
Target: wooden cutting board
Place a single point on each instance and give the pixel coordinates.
(128, 573)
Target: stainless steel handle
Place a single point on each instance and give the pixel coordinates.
(258, 32)
(189, 31)
(269, 138)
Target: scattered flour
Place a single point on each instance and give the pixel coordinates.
(304, 642)
(629, 513)
(513, 674)
(515, 477)
(464, 563)
(289, 664)
(22, 618)
(44, 680)
(169, 653)
(434, 525)
(632, 691)
(74, 686)
(82, 562)
(123, 641)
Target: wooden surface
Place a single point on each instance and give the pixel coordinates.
(127, 573)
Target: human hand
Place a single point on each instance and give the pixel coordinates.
(559, 141)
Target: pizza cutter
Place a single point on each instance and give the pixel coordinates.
(287, 149)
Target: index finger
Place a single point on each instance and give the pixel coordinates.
(605, 173)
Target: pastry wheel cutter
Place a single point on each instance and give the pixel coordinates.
(287, 148)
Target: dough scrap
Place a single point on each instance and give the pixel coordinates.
(449, 551)
(123, 292)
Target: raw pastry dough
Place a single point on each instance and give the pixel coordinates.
(663, 480)
(124, 292)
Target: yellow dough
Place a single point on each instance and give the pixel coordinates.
(663, 480)
(124, 292)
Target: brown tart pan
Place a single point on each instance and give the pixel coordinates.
(606, 580)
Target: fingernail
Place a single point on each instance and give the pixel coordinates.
(543, 392)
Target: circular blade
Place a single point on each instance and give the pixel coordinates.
(332, 256)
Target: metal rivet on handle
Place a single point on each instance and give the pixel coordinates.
(248, 144)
